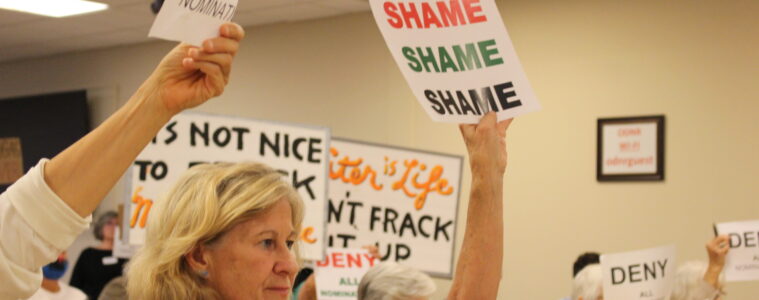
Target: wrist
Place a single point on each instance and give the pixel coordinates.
(150, 98)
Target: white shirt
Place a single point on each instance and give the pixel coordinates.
(65, 293)
(35, 227)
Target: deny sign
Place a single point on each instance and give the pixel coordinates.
(646, 274)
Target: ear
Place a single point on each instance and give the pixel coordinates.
(198, 259)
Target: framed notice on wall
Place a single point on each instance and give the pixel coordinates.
(630, 149)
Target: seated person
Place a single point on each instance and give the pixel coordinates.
(97, 266)
(52, 288)
(588, 284)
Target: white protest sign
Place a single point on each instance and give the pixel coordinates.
(457, 58)
(645, 274)
(299, 152)
(192, 21)
(338, 275)
(122, 249)
(742, 261)
(404, 201)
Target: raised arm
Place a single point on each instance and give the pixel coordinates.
(478, 271)
(717, 249)
(188, 76)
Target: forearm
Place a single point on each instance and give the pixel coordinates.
(712, 276)
(83, 174)
(478, 272)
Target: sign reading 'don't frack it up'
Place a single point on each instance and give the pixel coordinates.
(639, 275)
(457, 58)
(298, 152)
(742, 261)
(192, 21)
(338, 275)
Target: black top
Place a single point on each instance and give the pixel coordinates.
(91, 273)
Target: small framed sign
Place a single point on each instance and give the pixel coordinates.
(630, 149)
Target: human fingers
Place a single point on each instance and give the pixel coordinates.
(232, 30)
(221, 45)
(467, 130)
(488, 121)
(502, 126)
(224, 60)
(214, 77)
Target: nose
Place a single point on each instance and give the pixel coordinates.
(286, 264)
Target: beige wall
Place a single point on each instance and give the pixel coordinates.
(697, 62)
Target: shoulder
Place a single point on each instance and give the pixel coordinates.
(72, 292)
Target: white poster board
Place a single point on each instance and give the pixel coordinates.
(742, 261)
(338, 275)
(299, 152)
(192, 21)
(644, 274)
(457, 58)
(402, 200)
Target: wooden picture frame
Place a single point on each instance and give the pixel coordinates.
(630, 149)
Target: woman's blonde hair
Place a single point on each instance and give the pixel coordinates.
(203, 205)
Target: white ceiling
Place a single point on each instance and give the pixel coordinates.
(128, 22)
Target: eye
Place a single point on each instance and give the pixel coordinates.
(267, 243)
(290, 244)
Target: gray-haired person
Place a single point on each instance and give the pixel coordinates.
(96, 266)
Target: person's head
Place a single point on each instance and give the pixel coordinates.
(689, 279)
(585, 259)
(224, 231)
(105, 226)
(588, 284)
(56, 269)
(391, 281)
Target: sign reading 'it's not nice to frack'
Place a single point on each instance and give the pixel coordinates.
(457, 58)
(639, 275)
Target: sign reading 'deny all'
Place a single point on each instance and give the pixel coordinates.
(192, 21)
(645, 274)
(338, 275)
(403, 201)
(298, 152)
(742, 261)
(457, 58)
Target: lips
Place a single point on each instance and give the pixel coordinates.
(283, 290)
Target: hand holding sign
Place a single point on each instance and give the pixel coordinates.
(717, 249)
(486, 141)
(188, 76)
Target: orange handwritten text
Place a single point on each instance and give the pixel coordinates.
(141, 203)
(306, 235)
(433, 184)
(355, 176)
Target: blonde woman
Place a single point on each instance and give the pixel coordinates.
(225, 231)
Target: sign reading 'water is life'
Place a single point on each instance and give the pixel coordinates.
(457, 57)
